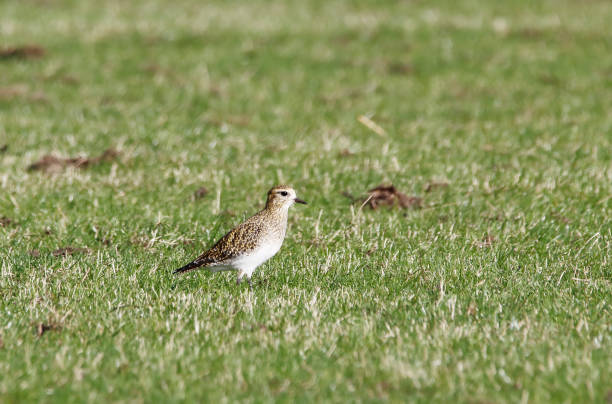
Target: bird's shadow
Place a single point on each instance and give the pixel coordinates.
(206, 281)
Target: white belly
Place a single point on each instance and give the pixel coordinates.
(248, 263)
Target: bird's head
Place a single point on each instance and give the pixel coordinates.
(282, 196)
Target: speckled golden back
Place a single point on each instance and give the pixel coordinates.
(246, 237)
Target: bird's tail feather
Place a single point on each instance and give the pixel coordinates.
(189, 267)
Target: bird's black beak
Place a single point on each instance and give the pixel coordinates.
(298, 200)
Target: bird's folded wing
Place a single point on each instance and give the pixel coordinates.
(238, 241)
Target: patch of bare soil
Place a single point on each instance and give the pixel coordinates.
(486, 242)
(200, 193)
(70, 250)
(50, 163)
(6, 221)
(22, 52)
(388, 195)
(42, 328)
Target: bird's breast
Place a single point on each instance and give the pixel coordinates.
(258, 256)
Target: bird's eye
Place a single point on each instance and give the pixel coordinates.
(284, 193)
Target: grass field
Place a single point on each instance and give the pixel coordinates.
(496, 114)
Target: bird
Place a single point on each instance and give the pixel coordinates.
(251, 243)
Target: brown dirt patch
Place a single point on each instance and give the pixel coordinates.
(388, 195)
(50, 163)
(22, 52)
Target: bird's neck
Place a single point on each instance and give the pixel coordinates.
(277, 213)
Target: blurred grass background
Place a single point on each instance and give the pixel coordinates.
(497, 289)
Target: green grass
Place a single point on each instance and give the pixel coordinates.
(508, 102)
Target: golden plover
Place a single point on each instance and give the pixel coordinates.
(253, 242)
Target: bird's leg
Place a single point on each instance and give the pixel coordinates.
(250, 284)
(240, 276)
